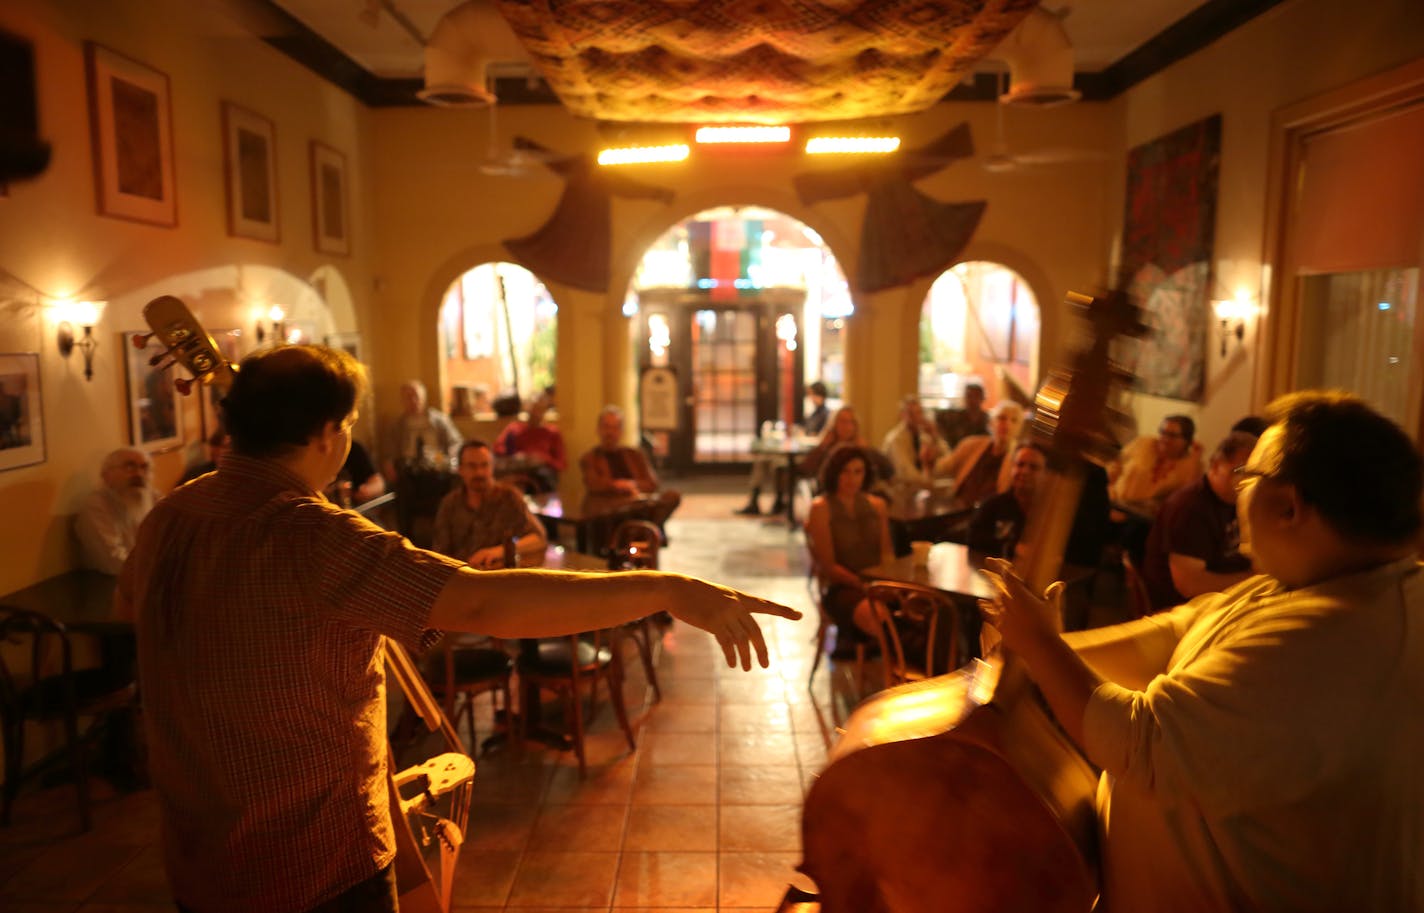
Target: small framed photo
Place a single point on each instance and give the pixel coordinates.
(155, 421)
(330, 220)
(350, 343)
(228, 344)
(250, 167)
(131, 125)
(22, 440)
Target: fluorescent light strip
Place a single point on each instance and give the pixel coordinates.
(639, 155)
(827, 145)
(743, 134)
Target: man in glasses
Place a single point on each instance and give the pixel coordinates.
(1150, 469)
(1195, 543)
(1260, 747)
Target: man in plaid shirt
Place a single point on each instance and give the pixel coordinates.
(260, 607)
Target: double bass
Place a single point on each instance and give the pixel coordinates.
(961, 793)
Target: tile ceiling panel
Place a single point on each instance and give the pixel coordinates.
(757, 61)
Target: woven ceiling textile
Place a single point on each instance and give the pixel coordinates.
(756, 61)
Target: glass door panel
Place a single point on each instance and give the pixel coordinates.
(724, 378)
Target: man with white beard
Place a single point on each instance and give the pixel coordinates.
(108, 520)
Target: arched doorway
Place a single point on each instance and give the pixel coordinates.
(744, 306)
(979, 324)
(498, 335)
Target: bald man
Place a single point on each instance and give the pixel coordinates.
(109, 517)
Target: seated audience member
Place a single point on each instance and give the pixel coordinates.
(1260, 747)
(1194, 545)
(912, 445)
(359, 479)
(478, 520)
(216, 444)
(957, 424)
(997, 525)
(421, 436)
(108, 520)
(815, 421)
(847, 531)
(612, 469)
(542, 445)
(1150, 469)
(844, 428)
(980, 464)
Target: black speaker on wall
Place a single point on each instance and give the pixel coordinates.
(22, 153)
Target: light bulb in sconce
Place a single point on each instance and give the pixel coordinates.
(86, 314)
(1233, 314)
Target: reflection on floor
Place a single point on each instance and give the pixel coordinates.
(704, 816)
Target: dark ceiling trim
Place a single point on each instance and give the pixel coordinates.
(1191, 33)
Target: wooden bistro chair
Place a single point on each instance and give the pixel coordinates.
(568, 666)
(39, 684)
(913, 646)
(634, 546)
(462, 670)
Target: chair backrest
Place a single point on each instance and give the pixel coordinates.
(634, 545)
(33, 646)
(915, 642)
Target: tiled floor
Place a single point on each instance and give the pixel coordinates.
(703, 816)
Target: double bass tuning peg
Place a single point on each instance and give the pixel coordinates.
(184, 385)
(140, 340)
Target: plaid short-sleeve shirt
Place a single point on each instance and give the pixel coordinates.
(260, 607)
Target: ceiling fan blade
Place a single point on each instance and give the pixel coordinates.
(1058, 156)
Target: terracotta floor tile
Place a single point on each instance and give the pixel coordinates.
(674, 828)
(484, 878)
(684, 690)
(675, 785)
(499, 827)
(756, 880)
(579, 828)
(761, 785)
(774, 716)
(39, 906)
(668, 717)
(669, 748)
(549, 879)
(738, 749)
(70, 871)
(607, 784)
(667, 879)
(141, 880)
(751, 690)
(760, 828)
(811, 750)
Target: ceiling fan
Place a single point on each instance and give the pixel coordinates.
(1002, 160)
(520, 159)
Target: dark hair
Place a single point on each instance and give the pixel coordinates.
(470, 443)
(1189, 427)
(836, 462)
(817, 389)
(219, 436)
(1356, 467)
(283, 396)
(1233, 445)
(1251, 424)
(507, 404)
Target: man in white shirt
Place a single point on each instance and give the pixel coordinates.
(913, 446)
(420, 435)
(1260, 747)
(109, 517)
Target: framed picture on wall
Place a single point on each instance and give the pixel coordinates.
(22, 440)
(250, 167)
(227, 342)
(330, 220)
(131, 126)
(155, 421)
(347, 342)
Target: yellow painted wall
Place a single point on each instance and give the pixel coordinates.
(53, 244)
(437, 215)
(1296, 50)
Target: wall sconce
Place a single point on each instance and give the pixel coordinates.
(1233, 314)
(86, 314)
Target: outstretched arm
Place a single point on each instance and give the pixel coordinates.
(536, 603)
